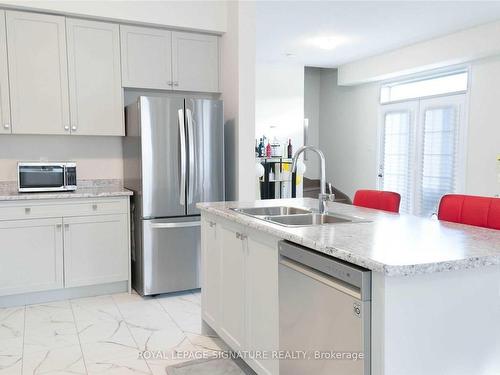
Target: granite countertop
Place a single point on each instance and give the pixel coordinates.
(393, 244)
(86, 189)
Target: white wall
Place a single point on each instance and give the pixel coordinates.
(312, 87)
(96, 157)
(279, 104)
(197, 15)
(456, 48)
(348, 133)
(238, 93)
(349, 117)
(279, 108)
(483, 142)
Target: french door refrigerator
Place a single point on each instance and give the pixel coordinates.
(173, 159)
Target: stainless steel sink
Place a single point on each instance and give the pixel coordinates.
(295, 217)
(311, 219)
(272, 211)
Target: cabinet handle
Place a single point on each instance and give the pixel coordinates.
(73, 127)
(6, 126)
(58, 226)
(212, 224)
(169, 83)
(243, 236)
(27, 210)
(94, 207)
(176, 83)
(66, 226)
(238, 235)
(66, 127)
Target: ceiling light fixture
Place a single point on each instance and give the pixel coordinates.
(327, 42)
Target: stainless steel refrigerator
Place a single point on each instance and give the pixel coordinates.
(173, 159)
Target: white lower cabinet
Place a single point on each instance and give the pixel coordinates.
(210, 273)
(31, 253)
(240, 289)
(232, 289)
(45, 246)
(95, 250)
(262, 300)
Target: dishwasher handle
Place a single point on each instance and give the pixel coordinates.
(321, 277)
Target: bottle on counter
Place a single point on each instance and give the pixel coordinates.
(256, 147)
(289, 149)
(268, 150)
(261, 147)
(275, 148)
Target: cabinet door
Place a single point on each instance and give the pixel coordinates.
(95, 89)
(95, 250)
(146, 57)
(38, 74)
(232, 288)
(31, 253)
(4, 80)
(262, 299)
(195, 62)
(210, 265)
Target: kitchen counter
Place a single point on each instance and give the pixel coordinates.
(392, 244)
(86, 189)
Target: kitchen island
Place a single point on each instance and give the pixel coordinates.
(435, 295)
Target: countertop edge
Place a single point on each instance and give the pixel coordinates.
(348, 256)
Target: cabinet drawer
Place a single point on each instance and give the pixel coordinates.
(61, 208)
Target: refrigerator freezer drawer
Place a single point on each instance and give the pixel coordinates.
(170, 255)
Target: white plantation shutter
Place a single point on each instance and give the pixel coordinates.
(397, 145)
(440, 157)
(422, 152)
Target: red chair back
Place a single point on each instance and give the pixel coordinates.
(377, 199)
(471, 210)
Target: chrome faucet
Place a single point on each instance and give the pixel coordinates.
(323, 197)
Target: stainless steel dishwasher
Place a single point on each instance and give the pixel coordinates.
(324, 314)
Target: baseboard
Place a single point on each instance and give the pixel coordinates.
(62, 294)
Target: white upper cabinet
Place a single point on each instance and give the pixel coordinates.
(162, 59)
(146, 57)
(38, 74)
(195, 62)
(4, 80)
(95, 90)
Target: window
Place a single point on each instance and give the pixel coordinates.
(422, 149)
(451, 82)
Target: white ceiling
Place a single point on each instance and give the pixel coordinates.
(363, 28)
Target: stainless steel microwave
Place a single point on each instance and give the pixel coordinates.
(46, 176)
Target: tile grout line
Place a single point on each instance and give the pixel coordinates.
(78, 335)
(175, 322)
(129, 331)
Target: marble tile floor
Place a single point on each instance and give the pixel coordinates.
(112, 334)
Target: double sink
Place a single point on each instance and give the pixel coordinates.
(295, 217)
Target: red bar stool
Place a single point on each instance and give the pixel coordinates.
(470, 210)
(378, 199)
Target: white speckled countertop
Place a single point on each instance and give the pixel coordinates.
(86, 189)
(396, 245)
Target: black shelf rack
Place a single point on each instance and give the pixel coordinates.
(268, 187)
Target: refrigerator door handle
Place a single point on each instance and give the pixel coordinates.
(176, 225)
(182, 136)
(190, 137)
